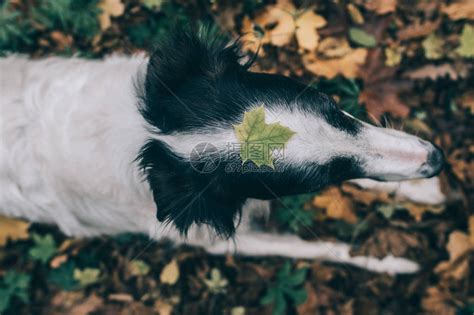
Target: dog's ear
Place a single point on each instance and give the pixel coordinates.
(184, 196)
(182, 76)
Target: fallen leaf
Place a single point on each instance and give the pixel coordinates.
(306, 25)
(86, 276)
(13, 229)
(361, 37)
(110, 8)
(348, 65)
(163, 308)
(88, 306)
(57, 261)
(458, 245)
(393, 55)
(381, 93)
(393, 241)
(138, 267)
(170, 273)
(467, 100)
(471, 230)
(466, 49)
(216, 283)
(337, 205)
(62, 40)
(153, 4)
(381, 6)
(237, 310)
(355, 14)
(418, 29)
(120, 297)
(417, 210)
(460, 9)
(281, 22)
(437, 302)
(434, 72)
(433, 47)
(334, 47)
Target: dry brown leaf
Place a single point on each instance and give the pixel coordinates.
(418, 30)
(89, 305)
(286, 22)
(306, 25)
(459, 244)
(110, 8)
(434, 72)
(417, 210)
(348, 65)
(471, 230)
(62, 40)
(334, 47)
(461, 9)
(467, 100)
(392, 241)
(120, 297)
(337, 205)
(170, 273)
(163, 308)
(366, 197)
(57, 261)
(13, 229)
(381, 93)
(381, 6)
(437, 302)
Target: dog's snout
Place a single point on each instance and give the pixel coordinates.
(434, 163)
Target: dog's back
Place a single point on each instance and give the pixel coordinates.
(64, 157)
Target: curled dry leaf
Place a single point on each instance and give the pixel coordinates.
(334, 47)
(381, 6)
(288, 22)
(434, 72)
(461, 9)
(459, 244)
(337, 205)
(12, 229)
(110, 8)
(436, 301)
(347, 65)
(418, 29)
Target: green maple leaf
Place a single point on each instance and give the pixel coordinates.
(258, 139)
(466, 49)
(44, 248)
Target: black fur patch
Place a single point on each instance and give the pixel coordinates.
(195, 81)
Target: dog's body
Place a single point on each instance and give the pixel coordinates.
(84, 146)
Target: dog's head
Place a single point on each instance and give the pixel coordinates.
(197, 89)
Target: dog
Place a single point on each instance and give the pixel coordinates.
(106, 146)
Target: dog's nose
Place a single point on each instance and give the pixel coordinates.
(434, 163)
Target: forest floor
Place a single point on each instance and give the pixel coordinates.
(407, 65)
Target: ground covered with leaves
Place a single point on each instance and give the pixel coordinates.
(403, 63)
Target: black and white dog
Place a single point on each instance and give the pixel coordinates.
(103, 147)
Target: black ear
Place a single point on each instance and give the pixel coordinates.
(184, 196)
(182, 74)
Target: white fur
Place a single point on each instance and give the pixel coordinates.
(70, 132)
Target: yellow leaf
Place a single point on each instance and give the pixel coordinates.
(458, 244)
(461, 9)
(355, 14)
(393, 56)
(170, 273)
(348, 65)
(12, 229)
(110, 8)
(337, 205)
(334, 47)
(306, 33)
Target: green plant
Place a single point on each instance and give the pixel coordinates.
(43, 249)
(13, 31)
(348, 92)
(63, 277)
(13, 285)
(70, 16)
(287, 286)
(292, 214)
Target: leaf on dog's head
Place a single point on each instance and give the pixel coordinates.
(259, 138)
(12, 229)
